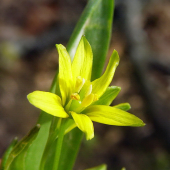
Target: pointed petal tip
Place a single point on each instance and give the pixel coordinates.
(118, 88)
(140, 124)
(115, 87)
(89, 137)
(57, 45)
(143, 124)
(84, 39)
(116, 56)
(29, 96)
(115, 51)
(60, 47)
(84, 123)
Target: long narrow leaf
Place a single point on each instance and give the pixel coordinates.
(96, 24)
(7, 153)
(35, 151)
(17, 155)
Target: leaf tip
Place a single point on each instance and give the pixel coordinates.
(140, 124)
(115, 55)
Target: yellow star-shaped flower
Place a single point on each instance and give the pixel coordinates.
(80, 99)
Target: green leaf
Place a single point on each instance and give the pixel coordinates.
(71, 146)
(123, 106)
(49, 152)
(35, 151)
(70, 141)
(16, 159)
(7, 153)
(100, 167)
(96, 24)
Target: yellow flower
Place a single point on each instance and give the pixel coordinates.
(80, 99)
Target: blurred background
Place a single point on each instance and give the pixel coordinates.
(29, 30)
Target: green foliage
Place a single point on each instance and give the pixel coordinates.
(36, 150)
(96, 24)
(16, 156)
(8, 152)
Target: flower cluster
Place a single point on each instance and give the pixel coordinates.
(80, 99)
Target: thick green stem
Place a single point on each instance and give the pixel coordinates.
(59, 145)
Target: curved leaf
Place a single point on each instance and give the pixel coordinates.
(16, 159)
(7, 153)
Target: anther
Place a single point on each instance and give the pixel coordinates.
(95, 97)
(75, 96)
(89, 90)
(79, 83)
(87, 100)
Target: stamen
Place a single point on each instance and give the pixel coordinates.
(89, 90)
(87, 100)
(79, 83)
(75, 96)
(95, 97)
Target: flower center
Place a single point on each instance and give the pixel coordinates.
(82, 96)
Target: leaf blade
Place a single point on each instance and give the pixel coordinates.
(16, 158)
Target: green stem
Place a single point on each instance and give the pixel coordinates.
(59, 145)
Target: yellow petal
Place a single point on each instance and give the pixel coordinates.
(84, 123)
(48, 102)
(79, 83)
(112, 116)
(65, 73)
(86, 89)
(82, 63)
(100, 85)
